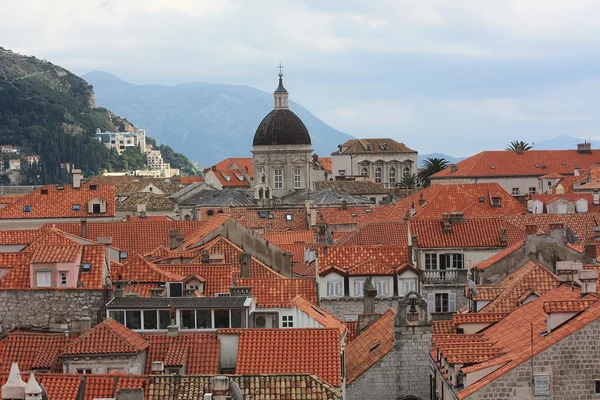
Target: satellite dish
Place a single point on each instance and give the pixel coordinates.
(472, 287)
(571, 237)
(234, 390)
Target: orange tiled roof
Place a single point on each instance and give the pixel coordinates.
(472, 199)
(24, 236)
(472, 232)
(377, 233)
(241, 163)
(370, 267)
(362, 215)
(282, 290)
(194, 237)
(19, 274)
(59, 203)
(318, 314)
(442, 327)
(278, 223)
(289, 351)
(476, 318)
(548, 199)
(580, 223)
(530, 276)
(106, 338)
(486, 292)
(230, 178)
(138, 269)
(186, 180)
(348, 256)
(370, 346)
(290, 237)
(512, 334)
(56, 254)
(566, 306)
(530, 163)
(327, 164)
(32, 350)
(352, 330)
(199, 352)
(95, 256)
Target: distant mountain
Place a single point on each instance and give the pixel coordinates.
(451, 160)
(206, 122)
(564, 142)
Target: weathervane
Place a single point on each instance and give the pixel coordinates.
(280, 69)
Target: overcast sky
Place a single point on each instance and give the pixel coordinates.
(455, 76)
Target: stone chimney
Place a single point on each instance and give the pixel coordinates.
(557, 232)
(85, 322)
(344, 204)
(588, 279)
(83, 227)
(33, 391)
(446, 223)
(584, 148)
(120, 286)
(503, 237)
(369, 294)
(220, 387)
(240, 291)
(14, 388)
(245, 259)
(180, 239)
(76, 178)
(205, 257)
(107, 242)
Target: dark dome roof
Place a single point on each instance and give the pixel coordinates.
(281, 127)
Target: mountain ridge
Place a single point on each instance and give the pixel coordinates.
(205, 121)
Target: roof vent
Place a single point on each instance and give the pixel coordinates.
(368, 210)
(86, 267)
(492, 167)
(61, 187)
(481, 199)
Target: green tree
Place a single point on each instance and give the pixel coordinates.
(515, 144)
(409, 181)
(431, 166)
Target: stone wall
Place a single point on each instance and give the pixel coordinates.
(343, 307)
(380, 381)
(572, 365)
(47, 308)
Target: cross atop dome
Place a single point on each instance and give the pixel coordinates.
(281, 94)
(280, 69)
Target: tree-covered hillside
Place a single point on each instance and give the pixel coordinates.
(47, 111)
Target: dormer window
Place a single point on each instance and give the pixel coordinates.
(44, 191)
(383, 146)
(174, 289)
(210, 212)
(93, 187)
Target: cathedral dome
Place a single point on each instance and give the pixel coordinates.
(281, 126)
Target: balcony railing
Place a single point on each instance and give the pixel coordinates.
(444, 276)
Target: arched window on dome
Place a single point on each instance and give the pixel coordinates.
(392, 175)
(364, 172)
(378, 175)
(405, 171)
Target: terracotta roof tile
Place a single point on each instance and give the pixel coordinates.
(348, 256)
(277, 223)
(378, 233)
(472, 232)
(138, 269)
(352, 330)
(289, 351)
(24, 236)
(477, 318)
(282, 290)
(530, 163)
(194, 237)
(60, 386)
(566, 306)
(186, 180)
(370, 346)
(95, 256)
(99, 386)
(56, 254)
(133, 237)
(105, 338)
(370, 267)
(57, 203)
(373, 146)
(240, 163)
(580, 223)
(318, 314)
(198, 352)
(32, 350)
(500, 255)
(362, 215)
(290, 237)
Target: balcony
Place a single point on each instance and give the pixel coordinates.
(444, 276)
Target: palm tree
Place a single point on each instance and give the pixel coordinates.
(516, 144)
(409, 181)
(430, 166)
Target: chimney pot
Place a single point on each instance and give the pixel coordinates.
(76, 178)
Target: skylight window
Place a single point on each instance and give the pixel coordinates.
(262, 214)
(289, 217)
(60, 187)
(86, 267)
(26, 208)
(76, 207)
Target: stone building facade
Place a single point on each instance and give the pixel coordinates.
(48, 308)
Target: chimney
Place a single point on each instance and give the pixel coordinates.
(503, 237)
(245, 259)
(241, 291)
(84, 228)
(180, 239)
(85, 322)
(33, 391)
(173, 238)
(588, 279)
(205, 256)
(596, 197)
(453, 168)
(14, 388)
(415, 240)
(519, 149)
(344, 205)
(173, 329)
(530, 229)
(557, 232)
(76, 178)
(219, 386)
(143, 214)
(369, 294)
(213, 168)
(421, 199)
(120, 286)
(584, 148)
(590, 250)
(107, 242)
(457, 217)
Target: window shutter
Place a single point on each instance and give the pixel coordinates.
(431, 302)
(452, 302)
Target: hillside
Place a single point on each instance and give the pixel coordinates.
(48, 111)
(206, 122)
